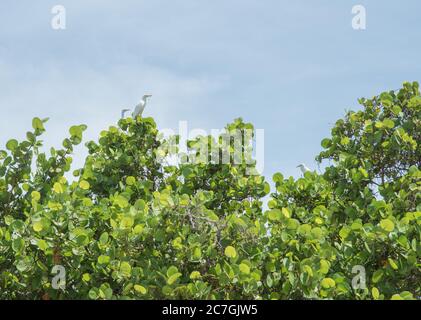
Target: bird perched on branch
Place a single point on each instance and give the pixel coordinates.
(303, 168)
(139, 108)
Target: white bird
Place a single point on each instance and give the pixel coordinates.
(141, 106)
(303, 168)
(123, 113)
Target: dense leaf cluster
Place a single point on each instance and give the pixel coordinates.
(131, 226)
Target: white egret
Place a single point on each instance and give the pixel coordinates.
(303, 168)
(141, 106)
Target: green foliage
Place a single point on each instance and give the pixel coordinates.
(131, 226)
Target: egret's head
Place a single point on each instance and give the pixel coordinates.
(146, 96)
(302, 166)
(123, 112)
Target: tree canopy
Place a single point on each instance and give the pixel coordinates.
(131, 226)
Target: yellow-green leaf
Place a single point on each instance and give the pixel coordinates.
(286, 212)
(42, 244)
(126, 223)
(121, 201)
(375, 293)
(102, 259)
(244, 268)
(140, 289)
(84, 185)
(387, 225)
(130, 181)
(230, 252)
(173, 278)
(275, 215)
(37, 226)
(126, 269)
(58, 188)
(328, 283)
(195, 275)
(36, 196)
(393, 264)
(37, 124)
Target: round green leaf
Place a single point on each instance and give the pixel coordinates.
(230, 252)
(126, 269)
(328, 283)
(37, 124)
(387, 225)
(244, 268)
(12, 145)
(195, 275)
(84, 185)
(275, 215)
(102, 259)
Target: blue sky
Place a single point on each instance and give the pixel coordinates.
(290, 67)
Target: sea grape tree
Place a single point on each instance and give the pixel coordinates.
(129, 225)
